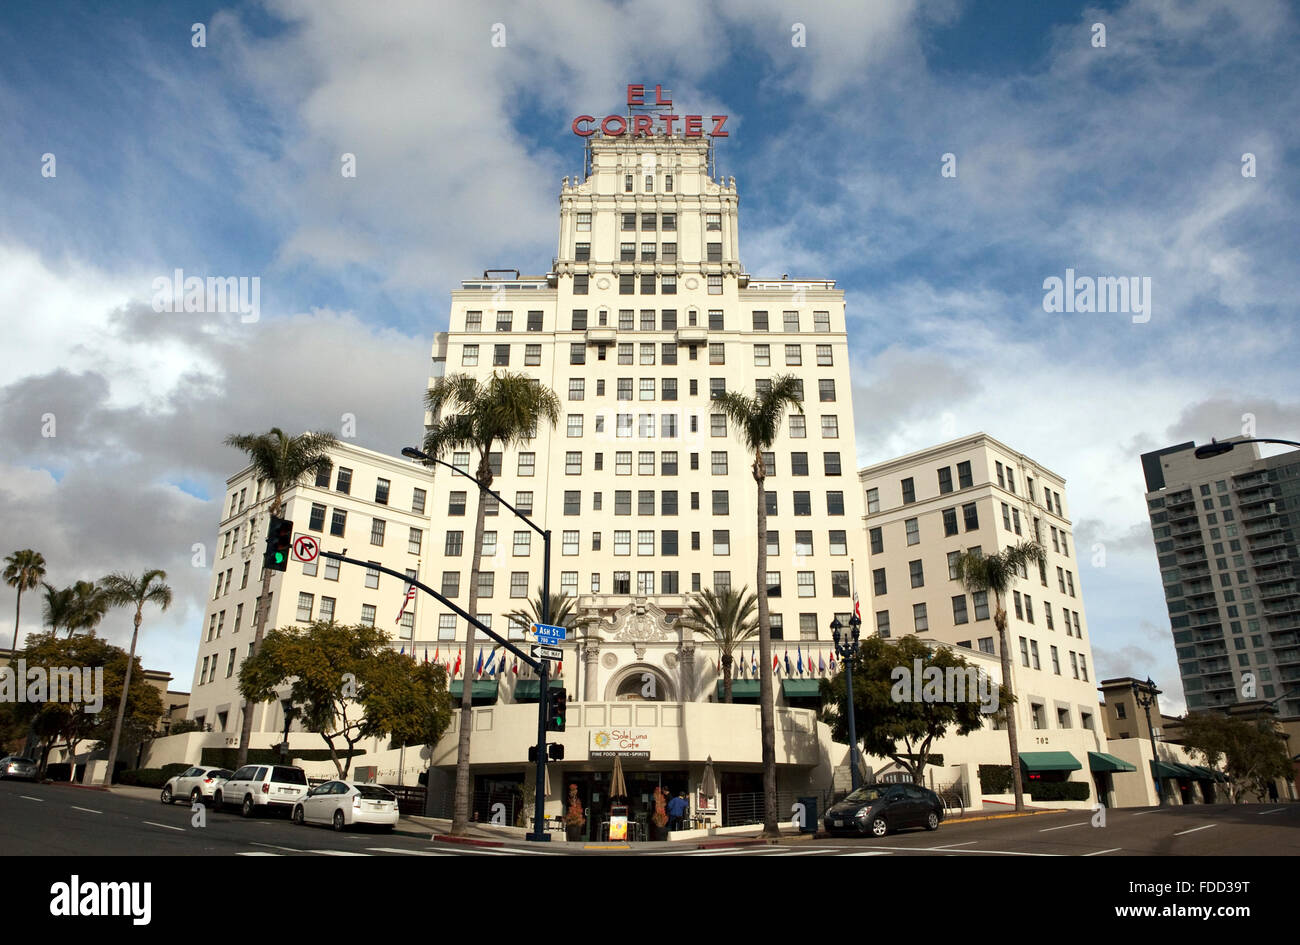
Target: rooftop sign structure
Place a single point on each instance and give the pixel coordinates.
(643, 125)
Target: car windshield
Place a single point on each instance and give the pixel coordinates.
(866, 793)
(372, 793)
(219, 773)
(22, 761)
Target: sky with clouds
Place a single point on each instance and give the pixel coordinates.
(1117, 160)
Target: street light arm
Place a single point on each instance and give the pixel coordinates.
(1215, 448)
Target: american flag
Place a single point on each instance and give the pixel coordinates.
(410, 596)
(857, 608)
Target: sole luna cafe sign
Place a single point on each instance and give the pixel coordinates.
(624, 742)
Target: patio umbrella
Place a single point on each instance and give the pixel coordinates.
(617, 787)
(709, 783)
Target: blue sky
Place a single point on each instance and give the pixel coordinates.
(1122, 160)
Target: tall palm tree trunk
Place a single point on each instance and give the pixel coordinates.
(1017, 786)
(263, 611)
(766, 709)
(18, 611)
(726, 676)
(461, 803)
(121, 703)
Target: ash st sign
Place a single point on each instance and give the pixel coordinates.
(548, 635)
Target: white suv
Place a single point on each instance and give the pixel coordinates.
(264, 786)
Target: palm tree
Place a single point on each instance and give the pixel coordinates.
(757, 420)
(89, 605)
(282, 462)
(23, 570)
(562, 613)
(503, 410)
(994, 575)
(126, 590)
(59, 609)
(726, 618)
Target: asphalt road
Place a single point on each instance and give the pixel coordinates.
(56, 820)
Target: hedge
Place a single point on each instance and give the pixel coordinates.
(995, 779)
(1059, 790)
(229, 757)
(151, 777)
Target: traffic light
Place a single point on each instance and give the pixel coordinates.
(554, 752)
(279, 539)
(559, 704)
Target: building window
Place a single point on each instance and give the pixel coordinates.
(344, 481)
(414, 539)
(305, 602)
(719, 462)
(909, 491)
(450, 583)
(839, 583)
(873, 500)
(824, 355)
(798, 426)
(377, 527)
(919, 618)
(715, 285)
(882, 623)
(317, 521)
(959, 609)
(338, 522)
(913, 528)
(790, 321)
(368, 614)
(821, 321)
(971, 516)
(917, 573)
(518, 583)
(803, 503)
(949, 522)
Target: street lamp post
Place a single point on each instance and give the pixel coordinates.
(1146, 698)
(846, 652)
(544, 696)
(289, 713)
(1215, 448)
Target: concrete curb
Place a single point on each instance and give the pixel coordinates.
(468, 841)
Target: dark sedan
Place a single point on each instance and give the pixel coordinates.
(876, 809)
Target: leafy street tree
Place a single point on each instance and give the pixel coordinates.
(903, 729)
(282, 462)
(347, 685)
(993, 575)
(1253, 751)
(23, 570)
(757, 420)
(727, 619)
(53, 722)
(127, 590)
(497, 412)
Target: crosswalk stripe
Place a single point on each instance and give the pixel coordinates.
(337, 853)
(870, 853)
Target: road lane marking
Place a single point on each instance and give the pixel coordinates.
(164, 826)
(1100, 852)
(337, 853)
(1065, 826)
(1273, 811)
(39, 800)
(869, 853)
(1194, 829)
(949, 846)
(256, 853)
(408, 852)
(1154, 810)
(976, 852)
(274, 847)
(86, 809)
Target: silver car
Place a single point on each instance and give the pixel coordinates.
(198, 783)
(16, 766)
(343, 804)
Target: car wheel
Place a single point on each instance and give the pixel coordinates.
(387, 828)
(338, 820)
(218, 800)
(247, 809)
(932, 821)
(298, 817)
(196, 797)
(879, 827)
(167, 795)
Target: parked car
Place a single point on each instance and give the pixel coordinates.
(264, 787)
(198, 783)
(16, 766)
(343, 804)
(876, 809)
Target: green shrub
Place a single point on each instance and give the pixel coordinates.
(995, 779)
(151, 777)
(1059, 790)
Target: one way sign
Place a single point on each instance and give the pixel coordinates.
(548, 652)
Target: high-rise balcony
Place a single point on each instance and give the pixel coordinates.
(1267, 541)
(1191, 527)
(1285, 606)
(1247, 480)
(1257, 511)
(1275, 589)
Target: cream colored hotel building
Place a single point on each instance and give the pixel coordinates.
(645, 315)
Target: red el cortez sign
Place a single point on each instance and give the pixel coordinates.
(614, 126)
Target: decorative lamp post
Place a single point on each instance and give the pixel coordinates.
(846, 652)
(1145, 694)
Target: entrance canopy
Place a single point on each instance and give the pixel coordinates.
(485, 689)
(742, 690)
(1048, 761)
(530, 689)
(1101, 763)
(801, 688)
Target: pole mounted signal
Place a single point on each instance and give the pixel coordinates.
(558, 708)
(279, 543)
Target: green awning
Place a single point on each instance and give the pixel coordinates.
(1101, 762)
(801, 688)
(1162, 769)
(482, 689)
(1186, 771)
(741, 689)
(1049, 761)
(531, 688)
